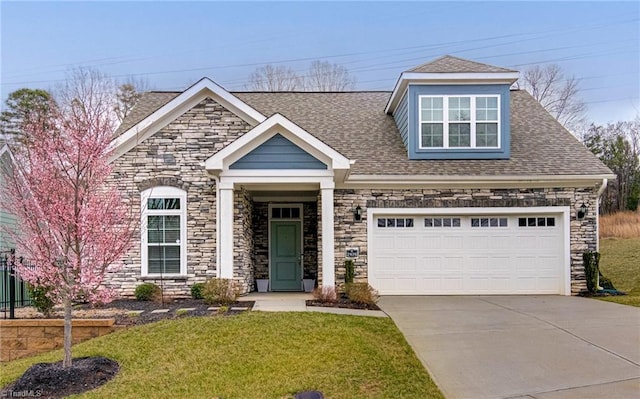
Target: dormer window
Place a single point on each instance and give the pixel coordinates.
(469, 121)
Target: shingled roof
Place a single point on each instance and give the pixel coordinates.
(451, 64)
(354, 123)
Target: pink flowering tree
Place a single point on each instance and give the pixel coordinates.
(72, 225)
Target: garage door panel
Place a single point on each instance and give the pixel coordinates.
(430, 242)
(406, 264)
(453, 265)
(452, 242)
(495, 256)
(430, 265)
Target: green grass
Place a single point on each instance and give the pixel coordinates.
(255, 355)
(620, 262)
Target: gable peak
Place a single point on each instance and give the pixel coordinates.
(451, 64)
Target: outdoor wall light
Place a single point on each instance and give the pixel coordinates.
(357, 213)
(582, 211)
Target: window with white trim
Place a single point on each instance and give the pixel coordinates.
(163, 232)
(395, 222)
(489, 222)
(459, 121)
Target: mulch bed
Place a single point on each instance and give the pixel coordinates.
(50, 380)
(201, 309)
(342, 303)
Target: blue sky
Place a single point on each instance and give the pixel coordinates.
(173, 44)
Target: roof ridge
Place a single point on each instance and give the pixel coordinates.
(452, 64)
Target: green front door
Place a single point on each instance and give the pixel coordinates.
(286, 248)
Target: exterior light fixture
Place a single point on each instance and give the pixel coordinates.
(357, 213)
(582, 211)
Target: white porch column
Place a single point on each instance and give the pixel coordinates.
(328, 244)
(225, 225)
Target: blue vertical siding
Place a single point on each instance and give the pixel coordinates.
(401, 116)
(278, 153)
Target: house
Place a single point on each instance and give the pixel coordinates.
(452, 183)
(7, 220)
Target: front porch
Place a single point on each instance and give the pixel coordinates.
(274, 208)
(277, 236)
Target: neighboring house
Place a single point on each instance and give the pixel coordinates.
(7, 220)
(450, 184)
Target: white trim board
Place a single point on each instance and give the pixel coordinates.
(407, 78)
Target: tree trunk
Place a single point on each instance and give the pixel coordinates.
(67, 333)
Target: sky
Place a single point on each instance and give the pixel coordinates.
(171, 45)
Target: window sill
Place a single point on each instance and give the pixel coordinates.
(163, 277)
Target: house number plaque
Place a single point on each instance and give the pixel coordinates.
(352, 252)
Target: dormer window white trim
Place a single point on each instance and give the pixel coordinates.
(454, 78)
(459, 121)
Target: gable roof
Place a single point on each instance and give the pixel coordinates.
(355, 125)
(176, 106)
(449, 70)
(263, 132)
(451, 64)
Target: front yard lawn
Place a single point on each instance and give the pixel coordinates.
(254, 355)
(620, 262)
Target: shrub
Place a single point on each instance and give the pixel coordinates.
(148, 292)
(591, 265)
(325, 294)
(220, 291)
(40, 299)
(361, 293)
(349, 271)
(196, 291)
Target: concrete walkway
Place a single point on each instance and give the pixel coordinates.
(533, 347)
(296, 302)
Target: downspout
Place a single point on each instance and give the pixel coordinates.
(603, 187)
(598, 194)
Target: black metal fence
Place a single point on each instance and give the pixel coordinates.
(13, 291)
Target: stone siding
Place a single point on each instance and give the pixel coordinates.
(243, 258)
(349, 233)
(261, 239)
(175, 156)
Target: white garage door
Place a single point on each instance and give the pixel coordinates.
(467, 254)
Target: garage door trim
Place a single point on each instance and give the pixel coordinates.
(562, 211)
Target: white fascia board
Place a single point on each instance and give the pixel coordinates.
(381, 181)
(3, 149)
(267, 129)
(204, 88)
(407, 78)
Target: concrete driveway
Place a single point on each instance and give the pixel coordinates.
(543, 347)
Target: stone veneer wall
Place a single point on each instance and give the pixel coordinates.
(261, 239)
(349, 233)
(175, 156)
(310, 240)
(243, 257)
